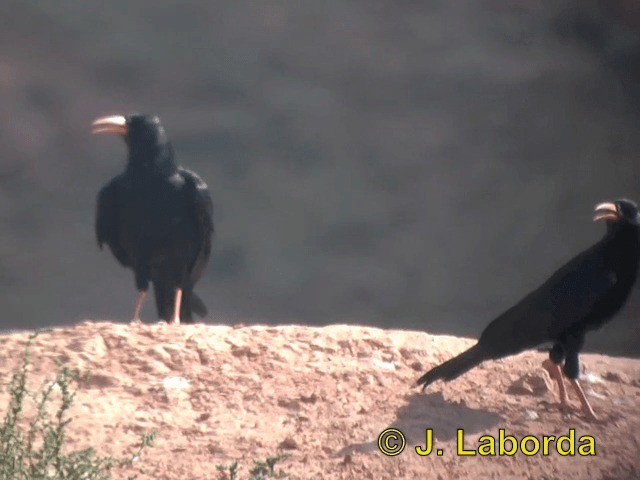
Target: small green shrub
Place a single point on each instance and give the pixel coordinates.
(259, 471)
(34, 450)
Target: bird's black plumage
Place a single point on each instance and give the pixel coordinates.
(156, 217)
(583, 294)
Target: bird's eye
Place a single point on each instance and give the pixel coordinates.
(627, 210)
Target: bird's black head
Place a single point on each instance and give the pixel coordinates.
(145, 137)
(619, 213)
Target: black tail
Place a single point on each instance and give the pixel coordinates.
(165, 299)
(454, 367)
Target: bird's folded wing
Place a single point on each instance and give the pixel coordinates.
(106, 225)
(563, 301)
(200, 199)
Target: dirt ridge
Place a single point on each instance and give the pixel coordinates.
(219, 393)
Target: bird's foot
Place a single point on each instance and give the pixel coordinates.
(566, 408)
(567, 411)
(587, 411)
(135, 321)
(589, 415)
(175, 321)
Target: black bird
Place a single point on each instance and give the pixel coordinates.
(582, 295)
(156, 217)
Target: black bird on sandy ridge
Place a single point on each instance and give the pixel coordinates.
(582, 295)
(156, 217)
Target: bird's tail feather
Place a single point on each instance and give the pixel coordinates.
(198, 306)
(165, 297)
(454, 367)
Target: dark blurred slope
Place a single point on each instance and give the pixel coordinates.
(421, 164)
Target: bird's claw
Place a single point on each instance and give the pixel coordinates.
(592, 418)
(589, 415)
(565, 407)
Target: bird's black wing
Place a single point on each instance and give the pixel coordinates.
(564, 301)
(200, 200)
(107, 222)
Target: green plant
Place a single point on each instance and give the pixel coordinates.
(229, 472)
(34, 449)
(260, 471)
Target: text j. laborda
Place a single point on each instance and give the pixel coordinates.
(392, 442)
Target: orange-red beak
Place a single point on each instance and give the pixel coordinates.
(605, 211)
(112, 124)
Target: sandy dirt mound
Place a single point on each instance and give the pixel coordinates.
(216, 394)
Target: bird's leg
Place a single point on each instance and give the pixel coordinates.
(556, 374)
(552, 365)
(142, 284)
(573, 344)
(139, 302)
(586, 406)
(176, 308)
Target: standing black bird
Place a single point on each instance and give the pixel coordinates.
(156, 217)
(582, 295)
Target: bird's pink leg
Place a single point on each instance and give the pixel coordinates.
(176, 308)
(586, 406)
(136, 312)
(556, 373)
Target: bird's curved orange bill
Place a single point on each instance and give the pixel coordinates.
(605, 211)
(112, 124)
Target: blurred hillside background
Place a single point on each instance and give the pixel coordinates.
(403, 164)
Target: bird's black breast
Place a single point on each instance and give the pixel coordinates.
(155, 220)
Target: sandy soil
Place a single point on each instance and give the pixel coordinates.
(217, 394)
